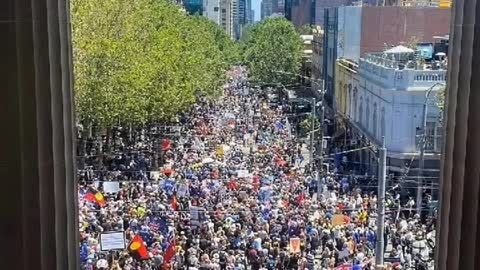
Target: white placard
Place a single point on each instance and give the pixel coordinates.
(155, 175)
(96, 184)
(182, 190)
(242, 173)
(111, 187)
(112, 241)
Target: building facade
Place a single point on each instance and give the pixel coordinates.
(385, 98)
(317, 58)
(266, 9)
(226, 19)
(302, 12)
(249, 12)
(193, 7)
(211, 10)
(353, 31)
(320, 6)
(278, 7)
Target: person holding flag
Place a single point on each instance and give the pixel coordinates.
(170, 251)
(95, 196)
(138, 249)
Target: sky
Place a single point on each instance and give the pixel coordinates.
(256, 7)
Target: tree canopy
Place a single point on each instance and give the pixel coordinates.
(144, 61)
(272, 48)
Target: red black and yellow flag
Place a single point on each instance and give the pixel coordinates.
(95, 196)
(138, 249)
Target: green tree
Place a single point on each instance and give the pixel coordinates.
(440, 101)
(144, 61)
(270, 48)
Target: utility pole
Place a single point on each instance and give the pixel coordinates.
(319, 179)
(312, 136)
(382, 172)
(421, 164)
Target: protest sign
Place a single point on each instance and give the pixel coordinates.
(295, 245)
(155, 175)
(242, 173)
(111, 187)
(197, 216)
(112, 241)
(182, 190)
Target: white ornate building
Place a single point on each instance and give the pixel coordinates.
(386, 97)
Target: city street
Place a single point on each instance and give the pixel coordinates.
(227, 196)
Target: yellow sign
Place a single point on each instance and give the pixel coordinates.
(445, 4)
(220, 151)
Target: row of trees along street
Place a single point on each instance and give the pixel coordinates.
(144, 62)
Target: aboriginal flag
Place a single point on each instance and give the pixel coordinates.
(95, 196)
(138, 249)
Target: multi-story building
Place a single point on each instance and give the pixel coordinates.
(249, 12)
(211, 10)
(238, 15)
(219, 11)
(302, 12)
(317, 58)
(266, 9)
(307, 59)
(226, 20)
(353, 31)
(252, 16)
(384, 97)
(193, 6)
(320, 6)
(278, 7)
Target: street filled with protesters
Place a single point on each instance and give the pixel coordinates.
(230, 187)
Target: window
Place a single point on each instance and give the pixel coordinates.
(355, 117)
(382, 124)
(215, 9)
(430, 136)
(349, 103)
(367, 115)
(438, 138)
(374, 131)
(360, 111)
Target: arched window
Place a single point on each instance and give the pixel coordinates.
(349, 101)
(367, 115)
(382, 124)
(360, 111)
(374, 124)
(355, 102)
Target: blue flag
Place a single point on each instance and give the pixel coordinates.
(147, 237)
(158, 224)
(84, 253)
(169, 186)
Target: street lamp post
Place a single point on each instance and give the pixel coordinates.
(422, 147)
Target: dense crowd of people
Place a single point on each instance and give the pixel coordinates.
(232, 192)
